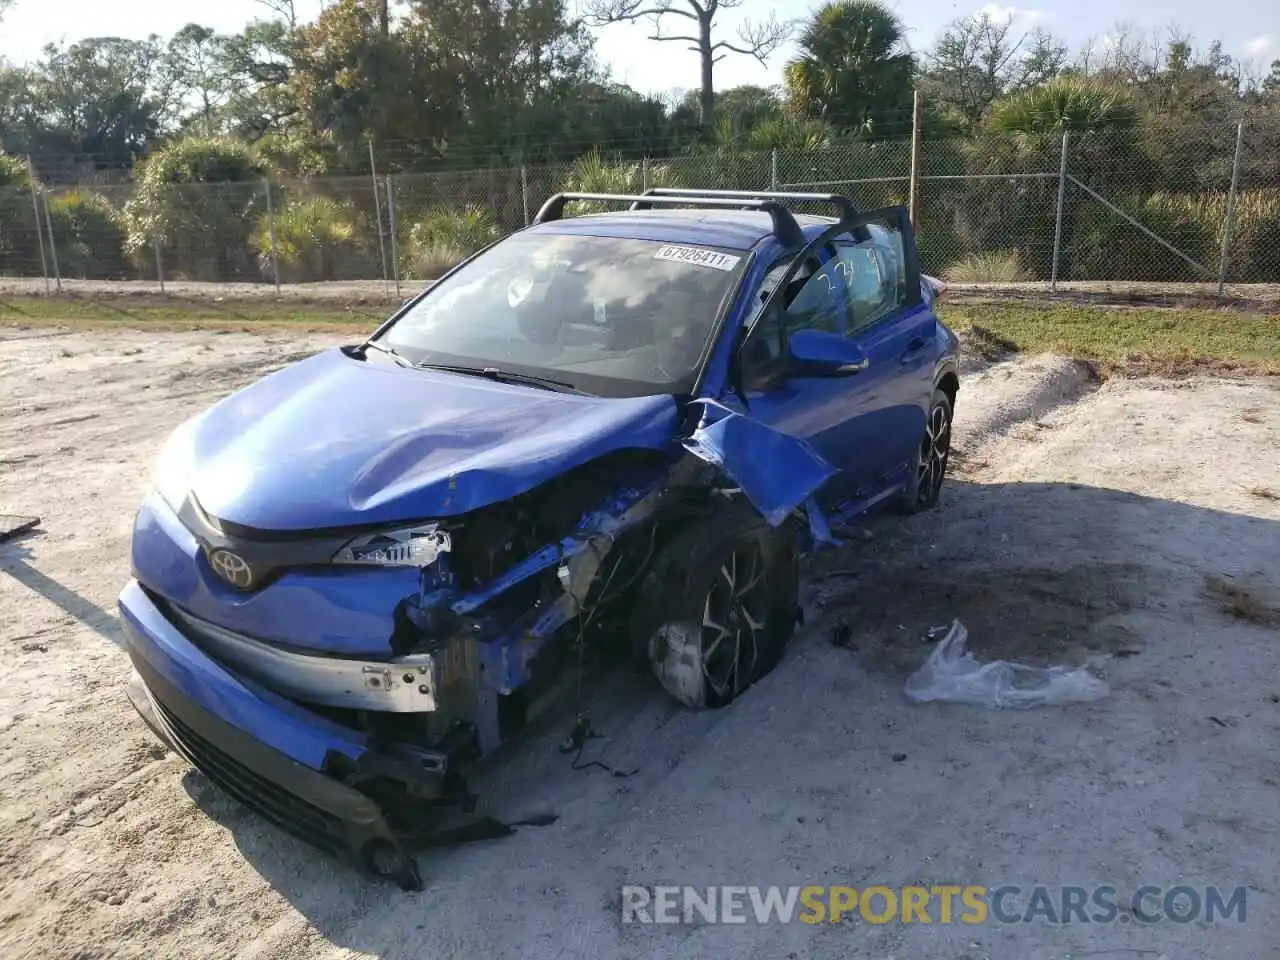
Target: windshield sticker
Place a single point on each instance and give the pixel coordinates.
(698, 256)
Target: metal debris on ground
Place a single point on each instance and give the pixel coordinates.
(952, 674)
(15, 526)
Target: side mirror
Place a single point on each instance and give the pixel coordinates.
(817, 353)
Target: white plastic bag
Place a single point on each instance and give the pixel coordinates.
(952, 674)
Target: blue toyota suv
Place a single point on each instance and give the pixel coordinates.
(356, 576)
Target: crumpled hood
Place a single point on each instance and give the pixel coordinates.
(336, 441)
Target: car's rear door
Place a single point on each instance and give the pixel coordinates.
(858, 279)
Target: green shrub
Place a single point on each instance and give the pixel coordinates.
(789, 133)
(997, 266)
(1067, 103)
(592, 173)
(19, 245)
(1255, 243)
(316, 239)
(88, 236)
(1104, 246)
(444, 237)
(14, 174)
(200, 199)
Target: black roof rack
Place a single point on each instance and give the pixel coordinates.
(784, 223)
(844, 206)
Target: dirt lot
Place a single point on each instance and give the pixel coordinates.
(1083, 521)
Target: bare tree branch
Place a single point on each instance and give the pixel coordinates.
(753, 40)
(601, 13)
(283, 9)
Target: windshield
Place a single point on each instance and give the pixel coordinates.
(609, 315)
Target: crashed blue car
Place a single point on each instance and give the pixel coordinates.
(359, 575)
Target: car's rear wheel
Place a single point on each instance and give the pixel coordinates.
(931, 460)
(719, 606)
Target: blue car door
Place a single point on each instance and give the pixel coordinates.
(858, 280)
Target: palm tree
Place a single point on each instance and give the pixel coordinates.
(854, 70)
(1067, 103)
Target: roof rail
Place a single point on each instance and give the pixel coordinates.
(785, 226)
(843, 205)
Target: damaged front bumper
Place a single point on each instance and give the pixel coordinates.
(264, 751)
(405, 685)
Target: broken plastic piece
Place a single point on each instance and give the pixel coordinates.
(777, 472)
(952, 674)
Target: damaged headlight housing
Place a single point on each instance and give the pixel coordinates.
(416, 546)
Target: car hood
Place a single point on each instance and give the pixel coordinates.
(336, 441)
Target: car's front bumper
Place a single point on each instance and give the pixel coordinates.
(263, 750)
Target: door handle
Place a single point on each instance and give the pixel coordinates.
(914, 349)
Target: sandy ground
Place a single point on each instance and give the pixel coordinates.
(1081, 523)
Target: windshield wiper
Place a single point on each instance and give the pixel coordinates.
(397, 357)
(505, 376)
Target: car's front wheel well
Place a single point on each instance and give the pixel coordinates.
(949, 384)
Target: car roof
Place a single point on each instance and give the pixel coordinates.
(733, 229)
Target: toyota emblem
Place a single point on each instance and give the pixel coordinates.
(232, 568)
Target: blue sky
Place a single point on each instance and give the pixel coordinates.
(1249, 29)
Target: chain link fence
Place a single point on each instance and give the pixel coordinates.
(1038, 211)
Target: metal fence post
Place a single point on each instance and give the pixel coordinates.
(155, 245)
(773, 169)
(1057, 225)
(377, 208)
(644, 174)
(1229, 223)
(53, 246)
(391, 219)
(524, 192)
(917, 130)
(35, 209)
(271, 227)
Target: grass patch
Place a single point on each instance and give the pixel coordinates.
(171, 313)
(1120, 339)
(1125, 339)
(994, 267)
(1251, 602)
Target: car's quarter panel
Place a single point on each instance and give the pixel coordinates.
(335, 441)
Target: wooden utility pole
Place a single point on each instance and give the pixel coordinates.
(917, 134)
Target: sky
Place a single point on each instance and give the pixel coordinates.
(1248, 29)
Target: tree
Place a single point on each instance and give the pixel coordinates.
(100, 101)
(1271, 83)
(979, 59)
(196, 62)
(738, 111)
(353, 83)
(495, 75)
(259, 63)
(854, 70)
(698, 27)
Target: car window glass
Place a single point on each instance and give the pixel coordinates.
(637, 313)
(873, 277)
(763, 347)
(816, 301)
